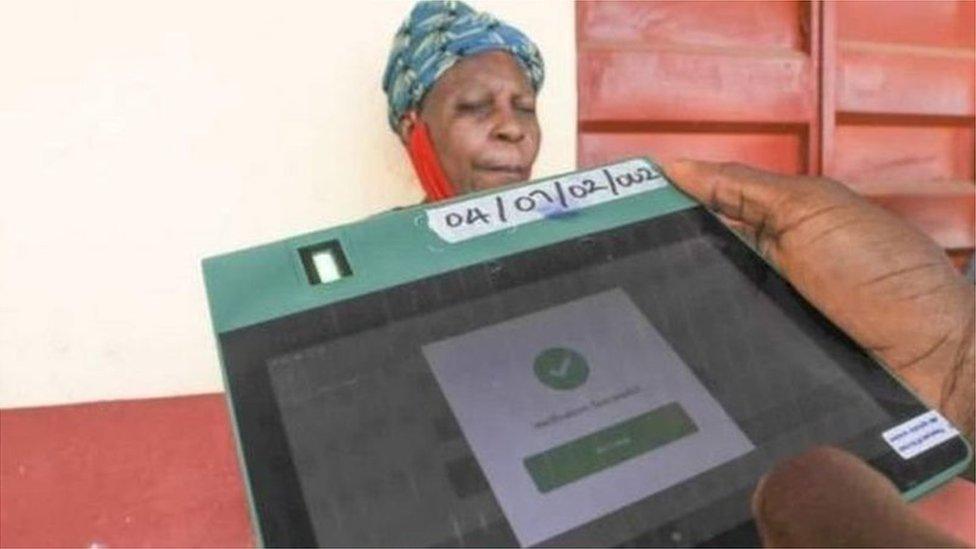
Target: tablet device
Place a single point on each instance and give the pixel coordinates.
(590, 359)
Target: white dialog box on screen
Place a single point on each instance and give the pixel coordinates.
(578, 410)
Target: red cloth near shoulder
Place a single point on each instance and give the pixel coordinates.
(425, 163)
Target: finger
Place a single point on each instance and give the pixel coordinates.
(737, 192)
(829, 498)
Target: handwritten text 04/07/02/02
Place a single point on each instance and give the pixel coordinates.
(552, 198)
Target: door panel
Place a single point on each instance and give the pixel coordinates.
(774, 151)
(898, 111)
(881, 78)
(717, 80)
(879, 95)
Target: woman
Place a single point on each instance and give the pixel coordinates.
(461, 87)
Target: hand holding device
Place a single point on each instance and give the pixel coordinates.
(888, 287)
(878, 278)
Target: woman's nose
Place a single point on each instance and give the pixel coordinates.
(507, 126)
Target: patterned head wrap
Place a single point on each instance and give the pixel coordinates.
(433, 37)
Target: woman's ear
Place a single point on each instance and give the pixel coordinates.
(407, 123)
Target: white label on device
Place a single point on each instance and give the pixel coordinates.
(553, 197)
(918, 434)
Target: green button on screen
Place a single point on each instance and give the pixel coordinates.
(607, 447)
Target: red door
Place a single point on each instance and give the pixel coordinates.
(877, 94)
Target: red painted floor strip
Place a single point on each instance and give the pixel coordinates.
(158, 472)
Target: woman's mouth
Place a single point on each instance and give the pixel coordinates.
(514, 171)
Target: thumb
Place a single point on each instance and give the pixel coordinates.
(737, 192)
(829, 498)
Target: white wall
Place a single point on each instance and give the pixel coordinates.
(138, 137)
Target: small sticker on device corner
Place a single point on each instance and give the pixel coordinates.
(919, 434)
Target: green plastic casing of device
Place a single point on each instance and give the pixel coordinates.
(270, 281)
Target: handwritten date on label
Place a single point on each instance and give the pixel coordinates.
(548, 198)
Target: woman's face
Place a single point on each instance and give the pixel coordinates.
(481, 116)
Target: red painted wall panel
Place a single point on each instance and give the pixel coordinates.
(925, 22)
(774, 151)
(944, 211)
(729, 24)
(159, 472)
(899, 98)
(883, 153)
(874, 78)
(694, 84)
(880, 95)
(716, 80)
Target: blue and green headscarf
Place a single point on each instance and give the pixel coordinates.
(436, 35)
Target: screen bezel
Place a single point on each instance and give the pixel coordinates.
(275, 491)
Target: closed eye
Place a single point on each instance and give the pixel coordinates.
(473, 107)
(524, 104)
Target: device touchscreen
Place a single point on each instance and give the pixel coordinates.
(627, 387)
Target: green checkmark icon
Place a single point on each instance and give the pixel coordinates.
(561, 369)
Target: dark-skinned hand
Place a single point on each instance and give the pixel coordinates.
(893, 291)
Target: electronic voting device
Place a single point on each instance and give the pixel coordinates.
(590, 359)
